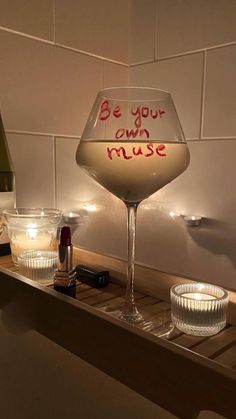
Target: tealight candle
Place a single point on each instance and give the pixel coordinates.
(38, 265)
(193, 220)
(23, 242)
(198, 296)
(198, 308)
(71, 217)
(31, 229)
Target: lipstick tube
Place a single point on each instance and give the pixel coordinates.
(65, 263)
(65, 275)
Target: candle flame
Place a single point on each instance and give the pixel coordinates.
(32, 231)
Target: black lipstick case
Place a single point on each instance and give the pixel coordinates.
(93, 277)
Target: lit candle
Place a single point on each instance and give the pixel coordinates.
(38, 265)
(192, 220)
(199, 308)
(32, 239)
(38, 259)
(197, 296)
(31, 229)
(71, 217)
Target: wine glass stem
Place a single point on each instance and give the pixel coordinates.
(131, 311)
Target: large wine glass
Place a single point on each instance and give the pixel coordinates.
(133, 145)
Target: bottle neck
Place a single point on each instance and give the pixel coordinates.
(5, 157)
(7, 181)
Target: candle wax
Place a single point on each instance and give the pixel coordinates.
(22, 242)
(198, 296)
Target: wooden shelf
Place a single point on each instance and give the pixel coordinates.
(194, 373)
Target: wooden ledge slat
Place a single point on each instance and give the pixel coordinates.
(162, 318)
(152, 311)
(146, 301)
(228, 358)
(83, 292)
(116, 292)
(188, 341)
(216, 343)
(119, 301)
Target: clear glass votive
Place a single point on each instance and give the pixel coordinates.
(38, 265)
(31, 229)
(199, 309)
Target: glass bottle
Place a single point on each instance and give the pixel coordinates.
(7, 188)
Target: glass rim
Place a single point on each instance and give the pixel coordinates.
(37, 254)
(225, 295)
(33, 212)
(165, 93)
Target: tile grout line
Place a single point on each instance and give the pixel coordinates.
(90, 54)
(129, 35)
(203, 92)
(58, 45)
(41, 134)
(54, 21)
(26, 35)
(54, 173)
(53, 43)
(183, 54)
(156, 33)
(230, 138)
(103, 74)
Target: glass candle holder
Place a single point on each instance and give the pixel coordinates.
(31, 229)
(38, 265)
(199, 309)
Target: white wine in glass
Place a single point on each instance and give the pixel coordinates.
(133, 145)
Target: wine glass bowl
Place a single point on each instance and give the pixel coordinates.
(133, 145)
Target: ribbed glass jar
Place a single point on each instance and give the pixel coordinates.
(199, 309)
(38, 265)
(31, 229)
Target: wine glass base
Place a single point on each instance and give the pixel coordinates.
(131, 315)
(131, 318)
(161, 326)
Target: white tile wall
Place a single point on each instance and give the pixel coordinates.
(187, 25)
(33, 158)
(98, 27)
(220, 98)
(46, 91)
(46, 88)
(207, 252)
(141, 30)
(31, 17)
(203, 87)
(182, 77)
(74, 188)
(115, 75)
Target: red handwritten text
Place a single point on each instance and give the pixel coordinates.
(136, 151)
(145, 112)
(130, 133)
(139, 112)
(106, 111)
